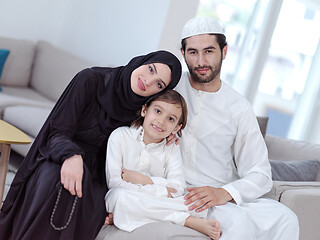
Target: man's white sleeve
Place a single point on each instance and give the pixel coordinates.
(251, 160)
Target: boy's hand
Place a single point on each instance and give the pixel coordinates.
(170, 190)
(135, 177)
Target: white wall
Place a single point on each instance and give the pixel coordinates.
(106, 32)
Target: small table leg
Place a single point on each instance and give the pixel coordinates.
(4, 161)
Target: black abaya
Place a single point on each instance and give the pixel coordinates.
(80, 123)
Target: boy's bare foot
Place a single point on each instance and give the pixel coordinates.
(208, 227)
(108, 220)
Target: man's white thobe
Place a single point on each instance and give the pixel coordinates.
(222, 146)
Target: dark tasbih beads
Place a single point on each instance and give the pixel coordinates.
(55, 208)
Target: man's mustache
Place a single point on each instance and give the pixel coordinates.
(202, 67)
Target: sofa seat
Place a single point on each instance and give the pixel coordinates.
(29, 118)
(24, 118)
(28, 94)
(12, 96)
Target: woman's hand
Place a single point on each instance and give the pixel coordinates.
(135, 177)
(71, 175)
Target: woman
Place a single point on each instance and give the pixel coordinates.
(58, 192)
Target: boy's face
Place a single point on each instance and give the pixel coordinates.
(150, 79)
(160, 120)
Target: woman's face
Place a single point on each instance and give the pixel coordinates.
(150, 79)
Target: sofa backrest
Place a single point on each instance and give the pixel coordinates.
(53, 69)
(17, 69)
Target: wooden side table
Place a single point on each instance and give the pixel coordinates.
(8, 135)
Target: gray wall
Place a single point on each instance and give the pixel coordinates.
(106, 32)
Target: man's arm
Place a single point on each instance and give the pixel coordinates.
(252, 165)
(251, 161)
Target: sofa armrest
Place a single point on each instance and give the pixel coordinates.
(279, 187)
(305, 203)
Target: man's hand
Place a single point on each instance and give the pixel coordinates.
(172, 138)
(71, 175)
(108, 220)
(206, 197)
(135, 177)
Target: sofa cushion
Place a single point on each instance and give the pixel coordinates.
(54, 69)
(19, 62)
(13, 96)
(3, 57)
(28, 94)
(287, 149)
(301, 170)
(29, 119)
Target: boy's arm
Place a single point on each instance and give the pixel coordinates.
(174, 171)
(138, 178)
(115, 152)
(134, 177)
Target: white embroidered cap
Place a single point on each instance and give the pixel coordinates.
(201, 25)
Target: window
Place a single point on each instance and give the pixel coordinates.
(272, 48)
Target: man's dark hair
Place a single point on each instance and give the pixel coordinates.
(221, 39)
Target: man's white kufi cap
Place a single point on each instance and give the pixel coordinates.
(201, 25)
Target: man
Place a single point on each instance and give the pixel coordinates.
(225, 157)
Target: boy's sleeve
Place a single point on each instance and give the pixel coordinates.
(174, 171)
(115, 150)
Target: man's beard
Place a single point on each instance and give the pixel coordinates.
(208, 79)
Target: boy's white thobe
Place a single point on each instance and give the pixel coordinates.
(135, 205)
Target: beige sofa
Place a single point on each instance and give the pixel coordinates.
(302, 197)
(35, 75)
(33, 78)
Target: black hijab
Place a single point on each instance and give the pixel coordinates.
(118, 102)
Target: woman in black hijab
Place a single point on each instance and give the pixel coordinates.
(58, 191)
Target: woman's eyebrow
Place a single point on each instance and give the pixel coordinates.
(165, 85)
(155, 69)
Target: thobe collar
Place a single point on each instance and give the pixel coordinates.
(138, 135)
(201, 92)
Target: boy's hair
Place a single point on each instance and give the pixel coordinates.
(172, 97)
